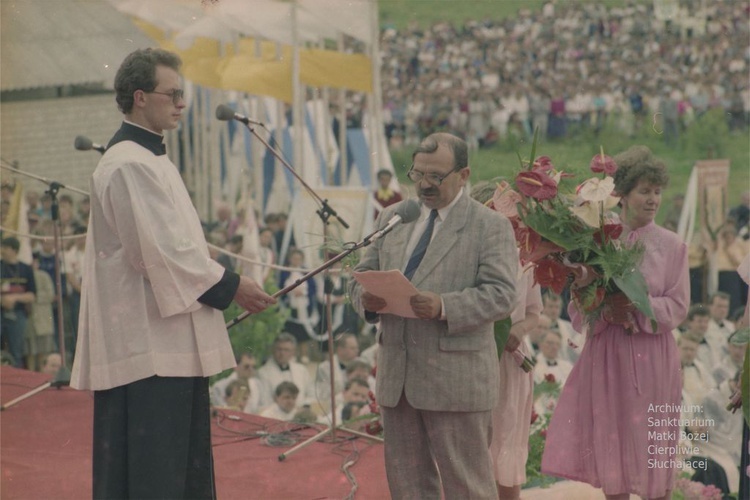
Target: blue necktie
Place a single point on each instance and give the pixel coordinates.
(421, 248)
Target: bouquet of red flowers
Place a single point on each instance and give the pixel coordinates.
(567, 233)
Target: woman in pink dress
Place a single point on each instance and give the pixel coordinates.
(615, 426)
(511, 418)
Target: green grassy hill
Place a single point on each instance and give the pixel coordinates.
(399, 13)
(704, 140)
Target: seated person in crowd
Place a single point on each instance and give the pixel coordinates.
(359, 368)
(356, 390)
(719, 327)
(548, 361)
(237, 394)
(709, 350)
(245, 370)
(284, 406)
(346, 349)
(535, 336)
(731, 363)
(370, 354)
(696, 377)
(351, 411)
(52, 364)
(718, 443)
(282, 367)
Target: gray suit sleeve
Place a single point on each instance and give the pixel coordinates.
(494, 295)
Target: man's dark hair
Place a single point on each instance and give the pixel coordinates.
(288, 387)
(697, 310)
(138, 72)
(342, 339)
(457, 146)
(356, 381)
(11, 242)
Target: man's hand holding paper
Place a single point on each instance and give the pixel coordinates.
(391, 284)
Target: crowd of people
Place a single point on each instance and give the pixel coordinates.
(37, 324)
(567, 67)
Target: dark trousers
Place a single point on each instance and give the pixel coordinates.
(13, 330)
(152, 440)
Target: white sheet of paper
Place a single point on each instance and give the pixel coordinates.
(393, 287)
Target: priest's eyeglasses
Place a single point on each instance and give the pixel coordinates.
(433, 179)
(176, 95)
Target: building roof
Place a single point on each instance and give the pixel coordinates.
(49, 43)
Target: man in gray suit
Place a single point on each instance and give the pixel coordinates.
(438, 373)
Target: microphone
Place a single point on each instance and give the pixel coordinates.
(407, 212)
(83, 143)
(225, 113)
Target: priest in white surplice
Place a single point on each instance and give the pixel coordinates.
(151, 331)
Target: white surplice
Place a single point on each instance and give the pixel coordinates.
(146, 265)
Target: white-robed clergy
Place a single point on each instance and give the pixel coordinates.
(151, 330)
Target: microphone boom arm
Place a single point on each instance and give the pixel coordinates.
(327, 264)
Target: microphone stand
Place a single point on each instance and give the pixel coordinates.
(325, 212)
(63, 374)
(326, 265)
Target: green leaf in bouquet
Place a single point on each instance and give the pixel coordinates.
(634, 285)
(502, 332)
(741, 336)
(554, 225)
(587, 296)
(612, 261)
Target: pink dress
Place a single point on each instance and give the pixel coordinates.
(618, 411)
(511, 418)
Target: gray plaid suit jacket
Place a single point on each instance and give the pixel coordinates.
(471, 263)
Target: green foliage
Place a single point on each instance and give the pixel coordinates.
(707, 136)
(554, 224)
(399, 13)
(537, 437)
(502, 332)
(534, 476)
(256, 332)
(614, 263)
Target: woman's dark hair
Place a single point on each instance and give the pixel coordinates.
(635, 164)
(138, 72)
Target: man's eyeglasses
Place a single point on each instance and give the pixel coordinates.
(176, 95)
(433, 179)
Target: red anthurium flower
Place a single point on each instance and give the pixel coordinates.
(603, 163)
(539, 251)
(550, 378)
(551, 274)
(608, 233)
(537, 185)
(598, 299)
(373, 428)
(543, 163)
(527, 239)
(534, 416)
(543, 433)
